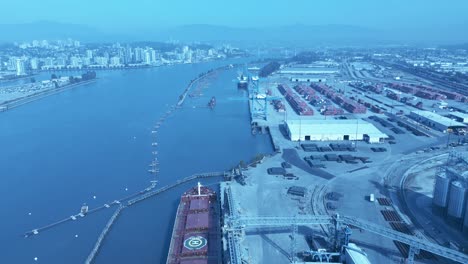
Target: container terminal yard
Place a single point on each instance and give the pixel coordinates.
(357, 176)
(365, 170)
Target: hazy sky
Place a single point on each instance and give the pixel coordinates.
(109, 14)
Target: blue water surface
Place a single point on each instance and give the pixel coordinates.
(95, 140)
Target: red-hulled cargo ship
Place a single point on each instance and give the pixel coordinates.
(196, 236)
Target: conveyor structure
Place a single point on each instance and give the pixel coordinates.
(236, 225)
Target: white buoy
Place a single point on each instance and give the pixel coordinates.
(76, 235)
(94, 197)
(126, 189)
(35, 258)
(29, 214)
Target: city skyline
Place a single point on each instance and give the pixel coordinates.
(26, 57)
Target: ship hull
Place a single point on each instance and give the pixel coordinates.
(196, 232)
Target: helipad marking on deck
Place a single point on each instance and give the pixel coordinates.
(195, 242)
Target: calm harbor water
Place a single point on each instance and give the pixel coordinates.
(95, 140)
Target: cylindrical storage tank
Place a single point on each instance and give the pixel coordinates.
(441, 192)
(465, 223)
(457, 201)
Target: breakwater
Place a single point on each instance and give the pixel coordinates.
(129, 200)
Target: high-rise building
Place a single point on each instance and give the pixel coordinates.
(75, 61)
(153, 55)
(49, 62)
(11, 65)
(89, 54)
(147, 57)
(139, 54)
(128, 55)
(20, 69)
(187, 54)
(104, 61)
(61, 62)
(86, 61)
(34, 64)
(115, 61)
(211, 52)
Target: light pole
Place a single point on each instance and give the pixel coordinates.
(448, 132)
(300, 130)
(356, 139)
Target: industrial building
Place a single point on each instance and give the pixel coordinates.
(460, 117)
(309, 70)
(307, 79)
(450, 198)
(333, 129)
(435, 121)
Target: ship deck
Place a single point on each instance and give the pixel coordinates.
(196, 234)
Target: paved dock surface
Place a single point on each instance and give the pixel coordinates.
(291, 156)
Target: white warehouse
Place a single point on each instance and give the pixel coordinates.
(435, 121)
(460, 117)
(333, 129)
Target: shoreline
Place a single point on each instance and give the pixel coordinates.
(136, 67)
(3, 80)
(5, 106)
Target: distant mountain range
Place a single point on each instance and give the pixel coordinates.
(45, 30)
(463, 46)
(286, 35)
(292, 35)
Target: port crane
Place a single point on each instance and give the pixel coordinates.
(258, 101)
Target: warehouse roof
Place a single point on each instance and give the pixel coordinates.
(445, 121)
(334, 126)
(309, 70)
(460, 115)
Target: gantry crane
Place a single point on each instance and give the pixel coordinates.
(237, 225)
(258, 101)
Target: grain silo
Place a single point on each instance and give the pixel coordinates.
(441, 192)
(465, 223)
(457, 202)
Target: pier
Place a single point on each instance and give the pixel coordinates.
(177, 183)
(128, 200)
(104, 232)
(199, 78)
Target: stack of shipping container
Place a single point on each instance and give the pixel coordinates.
(346, 103)
(295, 101)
